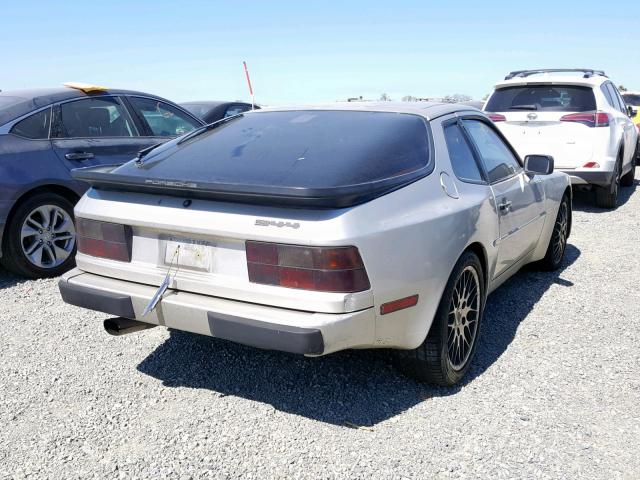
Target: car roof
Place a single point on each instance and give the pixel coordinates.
(428, 110)
(546, 78)
(213, 103)
(28, 100)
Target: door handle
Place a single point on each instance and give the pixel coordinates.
(79, 156)
(505, 207)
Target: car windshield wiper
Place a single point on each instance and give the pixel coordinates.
(143, 152)
(208, 127)
(523, 107)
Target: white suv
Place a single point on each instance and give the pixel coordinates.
(575, 115)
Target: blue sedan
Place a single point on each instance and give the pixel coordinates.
(44, 134)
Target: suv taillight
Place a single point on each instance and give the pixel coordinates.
(496, 117)
(103, 239)
(324, 269)
(597, 119)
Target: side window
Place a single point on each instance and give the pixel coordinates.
(498, 160)
(617, 102)
(163, 119)
(607, 95)
(462, 160)
(623, 106)
(35, 127)
(94, 117)
(235, 110)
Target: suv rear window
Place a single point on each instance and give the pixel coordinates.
(297, 149)
(545, 98)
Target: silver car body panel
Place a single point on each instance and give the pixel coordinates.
(409, 240)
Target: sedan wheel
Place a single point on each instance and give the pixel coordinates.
(48, 236)
(41, 238)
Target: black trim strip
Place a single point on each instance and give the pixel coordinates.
(265, 335)
(93, 299)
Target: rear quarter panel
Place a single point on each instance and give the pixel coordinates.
(410, 241)
(25, 165)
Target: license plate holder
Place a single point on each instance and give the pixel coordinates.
(188, 253)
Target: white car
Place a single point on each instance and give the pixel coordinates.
(317, 229)
(574, 115)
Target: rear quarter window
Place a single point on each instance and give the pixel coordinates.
(34, 127)
(549, 98)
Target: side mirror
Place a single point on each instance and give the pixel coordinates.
(538, 164)
(632, 111)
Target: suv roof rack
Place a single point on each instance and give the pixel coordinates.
(588, 72)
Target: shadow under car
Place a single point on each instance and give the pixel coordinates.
(354, 387)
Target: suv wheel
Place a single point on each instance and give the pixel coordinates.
(628, 179)
(607, 197)
(41, 237)
(445, 355)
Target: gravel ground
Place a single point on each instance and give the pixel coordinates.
(553, 393)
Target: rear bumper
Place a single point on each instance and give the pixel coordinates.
(589, 177)
(256, 325)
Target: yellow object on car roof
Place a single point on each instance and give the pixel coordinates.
(85, 87)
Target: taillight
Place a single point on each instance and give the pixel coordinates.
(324, 269)
(103, 239)
(597, 119)
(591, 165)
(496, 117)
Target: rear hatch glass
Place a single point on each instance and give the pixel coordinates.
(542, 98)
(533, 121)
(313, 154)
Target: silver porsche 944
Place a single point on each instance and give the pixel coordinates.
(317, 229)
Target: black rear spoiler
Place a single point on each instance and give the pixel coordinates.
(103, 178)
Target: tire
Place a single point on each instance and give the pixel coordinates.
(55, 248)
(628, 179)
(433, 361)
(607, 197)
(558, 241)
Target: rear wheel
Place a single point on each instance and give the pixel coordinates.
(446, 354)
(41, 237)
(628, 179)
(607, 197)
(558, 241)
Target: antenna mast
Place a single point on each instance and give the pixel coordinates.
(246, 72)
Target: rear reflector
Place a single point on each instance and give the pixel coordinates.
(496, 117)
(103, 239)
(591, 165)
(400, 304)
(324, 269)
(597, 119)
